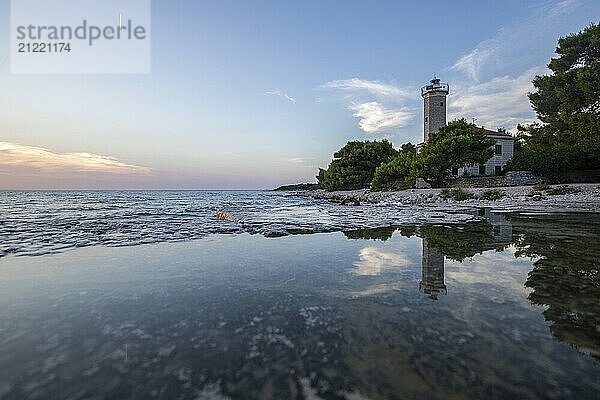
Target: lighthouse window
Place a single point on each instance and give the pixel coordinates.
(426, 119)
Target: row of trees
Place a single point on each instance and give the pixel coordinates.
(567, 103)
(354, 165)
(563, 280)
(376, 164)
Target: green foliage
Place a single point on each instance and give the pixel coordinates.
(550, 161)
(354, 165)
(536, 194)
(456, 194)
(538, 190)
(397, 173)
(541, 187)
(454, 145)
(562, 189)
(492, 194)
(568, 104)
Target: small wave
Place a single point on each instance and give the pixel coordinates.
(41, 223)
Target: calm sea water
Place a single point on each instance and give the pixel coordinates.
(504, 308)
(45, 222)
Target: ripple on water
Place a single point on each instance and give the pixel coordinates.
(37, 223)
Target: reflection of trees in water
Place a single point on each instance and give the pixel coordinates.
(459, 243)
(566, 278)
(456, 243)
(382, 234)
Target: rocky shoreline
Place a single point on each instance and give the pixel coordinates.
(585, 198)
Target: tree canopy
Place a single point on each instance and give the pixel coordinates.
(567, 137)
(397, 173)
(567, 103)
(354, 165)
(454, 145)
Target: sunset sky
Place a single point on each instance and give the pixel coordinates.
(254, 94)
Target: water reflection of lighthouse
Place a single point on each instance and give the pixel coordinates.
(432, 278)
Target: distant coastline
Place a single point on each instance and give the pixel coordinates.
(297, 186)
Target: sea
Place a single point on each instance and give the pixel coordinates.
(146, 295)
(45, 222)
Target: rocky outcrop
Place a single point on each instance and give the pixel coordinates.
(421, 183)
(522, 178)
(516, 198)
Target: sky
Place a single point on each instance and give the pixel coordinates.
(255, 94)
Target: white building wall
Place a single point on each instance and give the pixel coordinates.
(500, 160)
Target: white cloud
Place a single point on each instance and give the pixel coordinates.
(281, 94)
(373, 261)
(494, 77)
(499, 102)
(299, 162)
(527, 41)
(477, 272)
(296, 160)
(375, 88)
(375, 117)
(472, 62)
(379, 106)
(19, 156)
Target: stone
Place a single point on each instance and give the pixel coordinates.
(421, 183)
(522, 178)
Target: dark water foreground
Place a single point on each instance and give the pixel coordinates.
(504, 309)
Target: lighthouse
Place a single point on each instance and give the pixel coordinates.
(432, 275)
(434, 106)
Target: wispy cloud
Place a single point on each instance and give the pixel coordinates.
(531, 38)
(296, 160)
(375, 88)
(281, 94)
(375, 117)
(499, 102)
(378, 106)
(19, 156)
(472, 62)
(297, 163)
(493, 79)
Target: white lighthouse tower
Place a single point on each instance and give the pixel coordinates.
(434, 106)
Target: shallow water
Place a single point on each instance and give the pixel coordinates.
(47, 222)
(501, 309)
